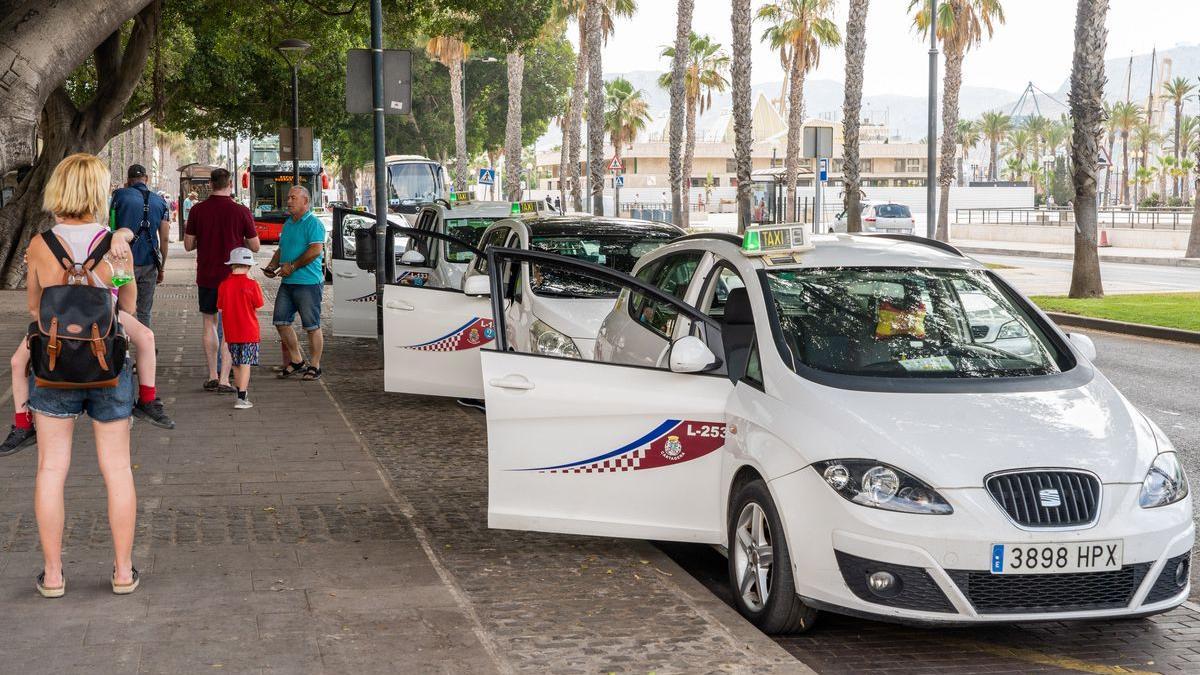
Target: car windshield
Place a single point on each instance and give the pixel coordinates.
(615, 252)
(468, 230)
(892, 211)
(908, 322)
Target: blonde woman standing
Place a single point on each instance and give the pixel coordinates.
(77, 196)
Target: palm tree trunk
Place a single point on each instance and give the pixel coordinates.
(1087, 110)
(683, 30)
(993, 157)
(689, 156)
(575, 124)
(795, 129)
(742, 112)
(951, 87)
(595, 107)
(1193, 245)
(1124, 167)
(512, 127)
(856, 47)
(1112, 140)
(1175, 182)
(460, 125)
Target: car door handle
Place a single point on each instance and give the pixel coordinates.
(347, 275)
(396, 304)
(512, 382)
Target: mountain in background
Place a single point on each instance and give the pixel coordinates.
(906, 116)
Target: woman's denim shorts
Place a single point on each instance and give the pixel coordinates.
(107, 404)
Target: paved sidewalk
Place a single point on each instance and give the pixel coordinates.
(1140, 256)
(267, 540)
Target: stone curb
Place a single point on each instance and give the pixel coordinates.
(1057, 255)
(1126, 328)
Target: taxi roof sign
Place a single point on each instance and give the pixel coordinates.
(771, 239)
(526, 206)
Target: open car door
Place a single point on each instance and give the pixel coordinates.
(353, 288)
(432, 336)
(585, 447)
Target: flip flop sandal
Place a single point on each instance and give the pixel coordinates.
(48, 592)
(291, 370)
(126, 589)
(311, 373)
(210, 385)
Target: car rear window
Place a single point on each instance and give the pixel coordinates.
(615, 252)
(892, 211)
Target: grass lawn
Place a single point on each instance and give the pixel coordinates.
(1173, 310)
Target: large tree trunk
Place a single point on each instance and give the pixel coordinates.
(743, 140)
(951, 87)
(683, 31)
(460, 126)
(512, 127)
(689, 157)
(1124, 167)
(65, 128)
(1087, 110)
(1176, 183)
(1193, 245)
(349, 184)
(575, 122)
(1112, 139)
(856, 49)
(795, 131)
(595, 107)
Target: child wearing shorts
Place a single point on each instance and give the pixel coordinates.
(238, 299)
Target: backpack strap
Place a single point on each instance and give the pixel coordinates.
(98, 252)
(60, 253)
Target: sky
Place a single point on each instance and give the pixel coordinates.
(1035, 43)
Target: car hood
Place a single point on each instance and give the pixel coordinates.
(955, 440)
(574, 317)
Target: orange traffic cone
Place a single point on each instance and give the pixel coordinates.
(1104, 239)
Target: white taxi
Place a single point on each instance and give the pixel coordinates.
(433, 334)
(823, 409)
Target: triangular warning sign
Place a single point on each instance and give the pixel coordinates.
(615, 164)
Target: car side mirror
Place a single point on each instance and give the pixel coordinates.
(689, 354)
(364, 249)
(1084, 344)
(412, 257)
(477, 285)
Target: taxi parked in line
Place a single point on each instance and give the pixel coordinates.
(433, 334)
(828, 411)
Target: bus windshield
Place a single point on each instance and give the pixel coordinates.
(414, 181)
(271, 191)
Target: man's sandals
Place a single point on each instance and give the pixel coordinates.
(291, 369)
(311, 373)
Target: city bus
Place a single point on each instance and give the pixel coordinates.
(268, 181)
(413, 181)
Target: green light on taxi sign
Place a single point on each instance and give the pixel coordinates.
(750, 242)
(516, 208)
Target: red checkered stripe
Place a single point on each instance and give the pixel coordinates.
(630, 461)
(446, 344)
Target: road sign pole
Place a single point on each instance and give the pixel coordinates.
(381, 188)
(817, 206)
(931, 133)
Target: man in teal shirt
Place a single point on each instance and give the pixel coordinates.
(298, 262)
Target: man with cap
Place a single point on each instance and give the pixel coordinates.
(137, 208)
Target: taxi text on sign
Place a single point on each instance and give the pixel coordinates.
(397, 81)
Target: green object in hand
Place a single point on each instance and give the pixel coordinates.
(120, 278)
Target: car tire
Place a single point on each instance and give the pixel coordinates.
(783, 611)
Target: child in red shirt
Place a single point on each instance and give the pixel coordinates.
(238, 300)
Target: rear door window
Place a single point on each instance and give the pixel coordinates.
(672, 276)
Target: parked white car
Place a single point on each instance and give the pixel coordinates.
(887, 217)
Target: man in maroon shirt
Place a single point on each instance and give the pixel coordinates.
(215, 227)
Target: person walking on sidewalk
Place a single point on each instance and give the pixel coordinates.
(298, 262)
(239, 297)
(215, 227)
(75, 194)
(137, 208)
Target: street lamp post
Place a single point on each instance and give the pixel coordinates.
(931, 137)
(292, 50)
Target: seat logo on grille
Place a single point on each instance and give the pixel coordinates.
(1050, 497)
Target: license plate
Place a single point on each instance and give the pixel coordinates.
(1083, 556)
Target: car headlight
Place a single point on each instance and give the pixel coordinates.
(1012, 329)
(877, 485)
(1165, 482)
(549, 342)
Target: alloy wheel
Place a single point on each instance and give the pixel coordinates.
(753, 556)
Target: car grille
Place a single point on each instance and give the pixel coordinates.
(1164, 586)
(1028, 497)
(1037, 593)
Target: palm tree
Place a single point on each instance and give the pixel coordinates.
(1110, 130)
(968, 137)
(683, 32)
(593, 16)
(994, 125)
(625, 116)
(703, 74)
(961, 24)
(451, 51)
(798, 29)
(856, 49)
(743, 140)
(1087, 113)
(575, 10)
(1167, 168)
(1015, 169)
(1125, 116)
(1142, 176)
(1188, 132)
(1018, 145)
(1037, 126)
(1144, 136)
(1178, 90)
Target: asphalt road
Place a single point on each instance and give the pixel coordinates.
(1163, 380)
(1050, 276)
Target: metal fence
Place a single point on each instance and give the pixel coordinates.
(1166, 218)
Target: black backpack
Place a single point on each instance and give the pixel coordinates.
(77, 342)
